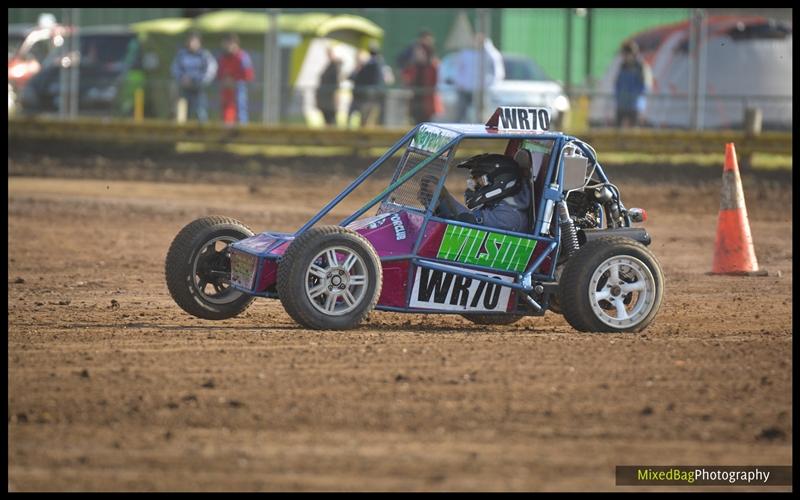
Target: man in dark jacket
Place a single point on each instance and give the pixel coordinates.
(630, 86)
(328, 85)
(406, 56)
(194, 68)
(369, 87)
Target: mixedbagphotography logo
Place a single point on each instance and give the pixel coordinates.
(704, 475)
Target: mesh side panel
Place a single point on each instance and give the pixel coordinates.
(407, 194)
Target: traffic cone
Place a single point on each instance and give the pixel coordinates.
(733, 253)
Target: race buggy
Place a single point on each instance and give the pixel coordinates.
(580, 256)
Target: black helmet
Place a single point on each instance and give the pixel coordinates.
(498, 177)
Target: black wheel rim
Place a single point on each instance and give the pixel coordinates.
(211, 271)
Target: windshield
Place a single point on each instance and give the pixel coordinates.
(517, 68)
(522, 68)
(427, 141)
(98, 50)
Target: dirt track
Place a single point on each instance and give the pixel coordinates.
(111, 386)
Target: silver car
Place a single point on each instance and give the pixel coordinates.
(525, 84)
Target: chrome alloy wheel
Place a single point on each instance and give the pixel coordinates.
(622, 291)
(336, 281)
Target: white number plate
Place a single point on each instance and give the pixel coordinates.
(243, 269)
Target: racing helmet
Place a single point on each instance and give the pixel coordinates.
(494, 177)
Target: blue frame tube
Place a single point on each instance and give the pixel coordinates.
(349, 189)
(396, 173)
(447, 269)
(558, 142)
(538, 262)
(399, 182)
(418, 310)
(393, 258)
(452, 222)
(434, 201)
(588, 152)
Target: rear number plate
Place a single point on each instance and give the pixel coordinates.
(243, 269)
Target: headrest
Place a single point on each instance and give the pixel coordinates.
(523, 158)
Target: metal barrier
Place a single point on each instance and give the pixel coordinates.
(157, 98)
(360, 141)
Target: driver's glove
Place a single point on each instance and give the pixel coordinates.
(427, 185)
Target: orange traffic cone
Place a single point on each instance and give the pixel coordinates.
(733, 253)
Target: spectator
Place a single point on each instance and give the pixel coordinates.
(631, 85)
(328, 85)
(369, 87)
(235, 70)
(467, 67)
(421, 75)
(406, 57)
(131, 79)
(194, 69)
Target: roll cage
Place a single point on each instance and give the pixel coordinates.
(546, 193)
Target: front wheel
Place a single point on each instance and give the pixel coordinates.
(329, 278)
(198, 268)
(611, 284)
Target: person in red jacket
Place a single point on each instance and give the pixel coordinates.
(235, 70)
(420, 75)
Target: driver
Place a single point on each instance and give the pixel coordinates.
(496, 196)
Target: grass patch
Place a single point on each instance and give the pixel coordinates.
(280, 151)
(760, 161)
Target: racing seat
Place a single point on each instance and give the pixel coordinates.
(525, 161)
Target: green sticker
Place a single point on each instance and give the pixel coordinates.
(432, 139)
(484, 248)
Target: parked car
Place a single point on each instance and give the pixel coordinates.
(28, 47)
(525, 84)
(106, 56)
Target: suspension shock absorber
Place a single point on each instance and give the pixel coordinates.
(569, 235)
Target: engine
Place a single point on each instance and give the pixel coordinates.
(585, 208)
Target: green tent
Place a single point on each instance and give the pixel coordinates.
(161, 38)
(314, 24)
(165, 26)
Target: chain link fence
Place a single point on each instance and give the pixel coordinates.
(598, 110)
(392, 106)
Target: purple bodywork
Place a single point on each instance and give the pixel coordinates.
(392, 235)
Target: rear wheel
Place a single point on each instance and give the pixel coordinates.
(198, 268)
(611, 284)
(329, 278)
